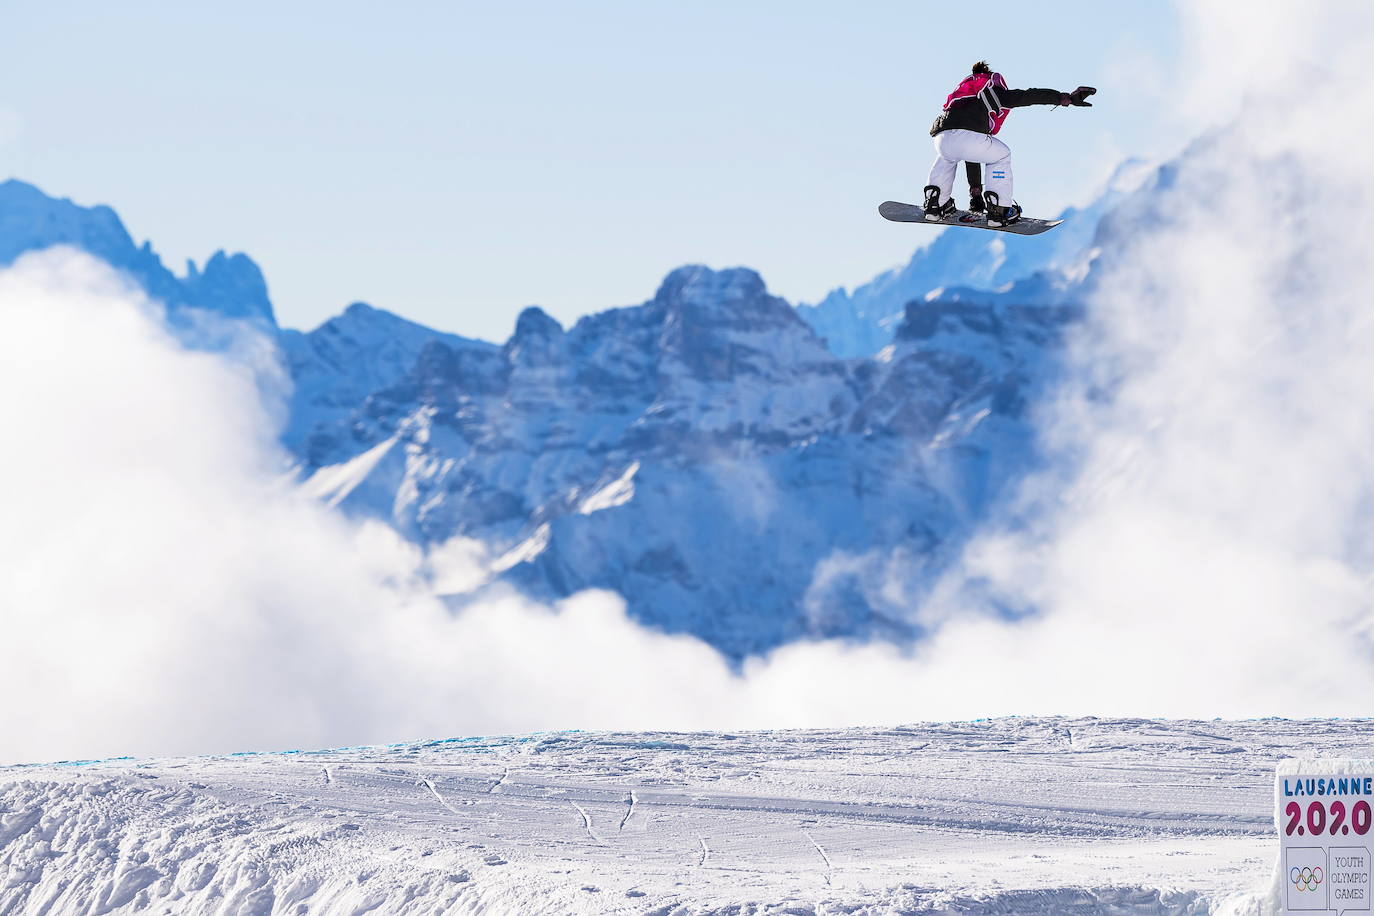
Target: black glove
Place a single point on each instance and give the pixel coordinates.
(1079, 96)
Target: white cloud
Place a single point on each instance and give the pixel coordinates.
(162, 590)
(1203, 545)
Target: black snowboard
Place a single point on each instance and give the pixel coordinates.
(910, 213)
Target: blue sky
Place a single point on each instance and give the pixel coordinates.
(454, 162)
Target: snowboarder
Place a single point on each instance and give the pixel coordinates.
(966, 131)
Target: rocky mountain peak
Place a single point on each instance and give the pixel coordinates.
(700, 286)
(229, 287)
(233, 286)
(733, 298)
(537, 341)
(534, 322)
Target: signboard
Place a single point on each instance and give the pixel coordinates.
(1325, 812)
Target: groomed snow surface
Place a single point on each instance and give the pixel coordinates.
(1000, 816)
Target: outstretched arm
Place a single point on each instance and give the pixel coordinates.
(1020, 98)
(975, 174)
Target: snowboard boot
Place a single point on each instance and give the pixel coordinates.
(935, 211)
(975, 199)
(999, 216)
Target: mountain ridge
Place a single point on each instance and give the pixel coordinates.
(705, 453)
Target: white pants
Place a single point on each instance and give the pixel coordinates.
(955, 146)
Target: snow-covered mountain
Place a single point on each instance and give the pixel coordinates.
(216, 307)
(336, 366)
(230, 286)
(704, 454)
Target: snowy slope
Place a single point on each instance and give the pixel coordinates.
(337, 365)
(1009, 816)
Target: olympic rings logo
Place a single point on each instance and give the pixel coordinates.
(1306, 879)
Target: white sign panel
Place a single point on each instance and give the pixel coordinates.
(1325, 814)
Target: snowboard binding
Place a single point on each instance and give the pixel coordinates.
(999, 216)
(934, 210)
(975, 199)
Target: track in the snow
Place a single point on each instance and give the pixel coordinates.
(1020, 815)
